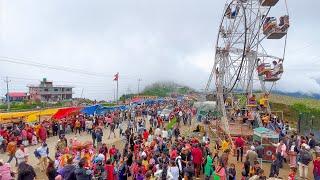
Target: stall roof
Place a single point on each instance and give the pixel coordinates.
(35, 116)
(15, 115)
(62, 113)
(90, 110)
(264, 132)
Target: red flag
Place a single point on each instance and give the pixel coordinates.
(116, 77)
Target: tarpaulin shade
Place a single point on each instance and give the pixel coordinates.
(90, 110)
(15, 115)
(35, 116)
(136, 100)
(62, 113)
(104, 110)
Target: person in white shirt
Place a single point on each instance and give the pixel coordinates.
(174, 170)
(22, 154)
(89, 125)
(43, 152)
(163, 173)
(157, 132)
(164, 133)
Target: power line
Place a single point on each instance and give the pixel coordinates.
(22, 61)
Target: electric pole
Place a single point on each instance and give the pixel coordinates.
(139, 80)
(81, 93)
(7, 96)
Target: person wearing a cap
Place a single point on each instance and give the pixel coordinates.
(252, 155)
(303, 161)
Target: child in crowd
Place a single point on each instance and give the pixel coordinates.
(232, 172)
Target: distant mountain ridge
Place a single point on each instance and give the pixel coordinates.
(298, 94)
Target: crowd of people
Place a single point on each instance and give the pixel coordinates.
(152, 149)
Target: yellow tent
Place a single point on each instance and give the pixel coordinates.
(28, 116)
(15, 115)
(35, 116)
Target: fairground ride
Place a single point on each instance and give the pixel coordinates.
(249, 54)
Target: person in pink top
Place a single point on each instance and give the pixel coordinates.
(5, 171)
(221, 172)
(281, 153)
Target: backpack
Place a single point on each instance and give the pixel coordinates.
(177, 163)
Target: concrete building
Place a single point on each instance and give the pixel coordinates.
(46, 91)
(17, 96)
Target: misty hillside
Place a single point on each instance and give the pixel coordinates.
(162, 89)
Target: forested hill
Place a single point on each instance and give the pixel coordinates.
(162, 89)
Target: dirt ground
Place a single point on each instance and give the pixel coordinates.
(185, 130)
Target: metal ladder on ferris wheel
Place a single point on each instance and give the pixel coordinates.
(209, 80)
(224, 118)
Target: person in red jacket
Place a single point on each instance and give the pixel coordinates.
(112, 152)
(109, 168)
(145, 135)
(239, 143)
(197, 159)
(42, 133)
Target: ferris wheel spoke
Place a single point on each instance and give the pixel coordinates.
(260, 26)
(233, 34)
(233, 29)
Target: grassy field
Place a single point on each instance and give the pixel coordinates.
(288, 100)
(294, 108)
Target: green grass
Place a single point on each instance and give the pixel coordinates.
(311, 103)
(24, 106)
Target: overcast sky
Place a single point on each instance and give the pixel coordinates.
(148, 39)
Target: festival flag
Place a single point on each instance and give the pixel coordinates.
(116, 77)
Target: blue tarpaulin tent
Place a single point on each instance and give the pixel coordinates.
(104, 110)
(160, 100)
(90, 110)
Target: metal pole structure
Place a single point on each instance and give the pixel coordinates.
(117, 90)
(114, 94)
(7, 97)
(139, 80)
(81, 93)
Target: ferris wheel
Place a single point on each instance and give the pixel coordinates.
(250, 49)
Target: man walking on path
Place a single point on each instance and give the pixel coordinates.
(239, 143)
(303, 160)
(43, 152)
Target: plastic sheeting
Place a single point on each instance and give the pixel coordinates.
(104, 110)
(35, 116)
(15, 115)
(62, 113)
(136, 100)
(90, 110)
